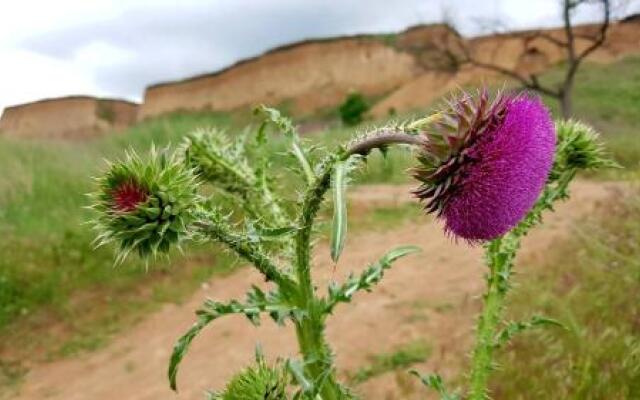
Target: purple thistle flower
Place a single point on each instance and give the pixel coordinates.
(484, 164)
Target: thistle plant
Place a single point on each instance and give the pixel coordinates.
(487, 168)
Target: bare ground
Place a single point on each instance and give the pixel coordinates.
(432, 296)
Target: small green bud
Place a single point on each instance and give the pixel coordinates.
(218, 160)
(145, 204)
(259, 382)
(579, 147)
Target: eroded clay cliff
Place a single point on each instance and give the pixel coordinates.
(403, 71)
(67, 117)
(407, 70)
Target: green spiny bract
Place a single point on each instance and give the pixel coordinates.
(145, 204)
(579, 147)
(223, 162)
(219, 161)
(450, 134)
(259, 382)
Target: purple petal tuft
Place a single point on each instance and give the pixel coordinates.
(510, 165)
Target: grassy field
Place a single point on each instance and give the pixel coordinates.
(591, 283)
(52, 279)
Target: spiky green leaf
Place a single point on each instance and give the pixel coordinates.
(285, 125)
(339, 224)
(434, 381)
(515, 327)
(257, 302)
(368, 278)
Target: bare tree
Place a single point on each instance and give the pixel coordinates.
(574, 57)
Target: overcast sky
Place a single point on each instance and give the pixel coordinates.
(116, 48)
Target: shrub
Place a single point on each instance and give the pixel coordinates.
(352, 110)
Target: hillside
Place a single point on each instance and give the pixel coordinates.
(68, 117)
(406, 70)
(399, 72)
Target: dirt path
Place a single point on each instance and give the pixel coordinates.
(431, 296)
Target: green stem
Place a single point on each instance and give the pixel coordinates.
(501, 253)
(310, 330)
(317, 357)
(249, 251)
(481, 365)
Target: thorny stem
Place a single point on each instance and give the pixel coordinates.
(382, 139)
(310, 330)
(500, 254)
(497, 285)
(249, 251)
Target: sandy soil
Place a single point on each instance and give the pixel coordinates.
(431, 296)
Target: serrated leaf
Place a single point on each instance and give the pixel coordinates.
(398, 252)
(434, 381)
(302, 160)
(298, 373)
(368, 278)
(513, 328)
(275, 232)
(257, 302)
(286, 126)
(339, 224)
(181, 347)
(261, 135)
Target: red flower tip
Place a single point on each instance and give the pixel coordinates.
(127, 196)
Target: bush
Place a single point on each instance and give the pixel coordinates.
(352, 110)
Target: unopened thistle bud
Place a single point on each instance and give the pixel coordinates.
(260, 382)
(218, 160)
(144, 204)
(484, 163)
(579, 147)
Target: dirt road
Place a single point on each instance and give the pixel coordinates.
(432, 296)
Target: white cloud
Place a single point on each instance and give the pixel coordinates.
(27, 76)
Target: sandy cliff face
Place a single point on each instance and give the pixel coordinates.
(314, 74)
(67, 117)
(408, 71)
(524, 52)
(414, 67)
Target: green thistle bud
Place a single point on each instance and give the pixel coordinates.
(218, 160)
(261, 382)
(579, 147)
(144, 204)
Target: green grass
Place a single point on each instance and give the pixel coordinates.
(608, 97)
(52, 280)
(591, 283)
(50, 275)
(400, 358)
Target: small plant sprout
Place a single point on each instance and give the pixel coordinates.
(487, 167)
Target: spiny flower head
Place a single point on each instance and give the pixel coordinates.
(579, 147)
(144, 204)
(218, 160)
(485, 162)
(260, 382)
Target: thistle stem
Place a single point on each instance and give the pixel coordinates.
(317, 356)
(310, 330)
(500, 254)
(383, 138)
(249, 251)
(497, 285)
